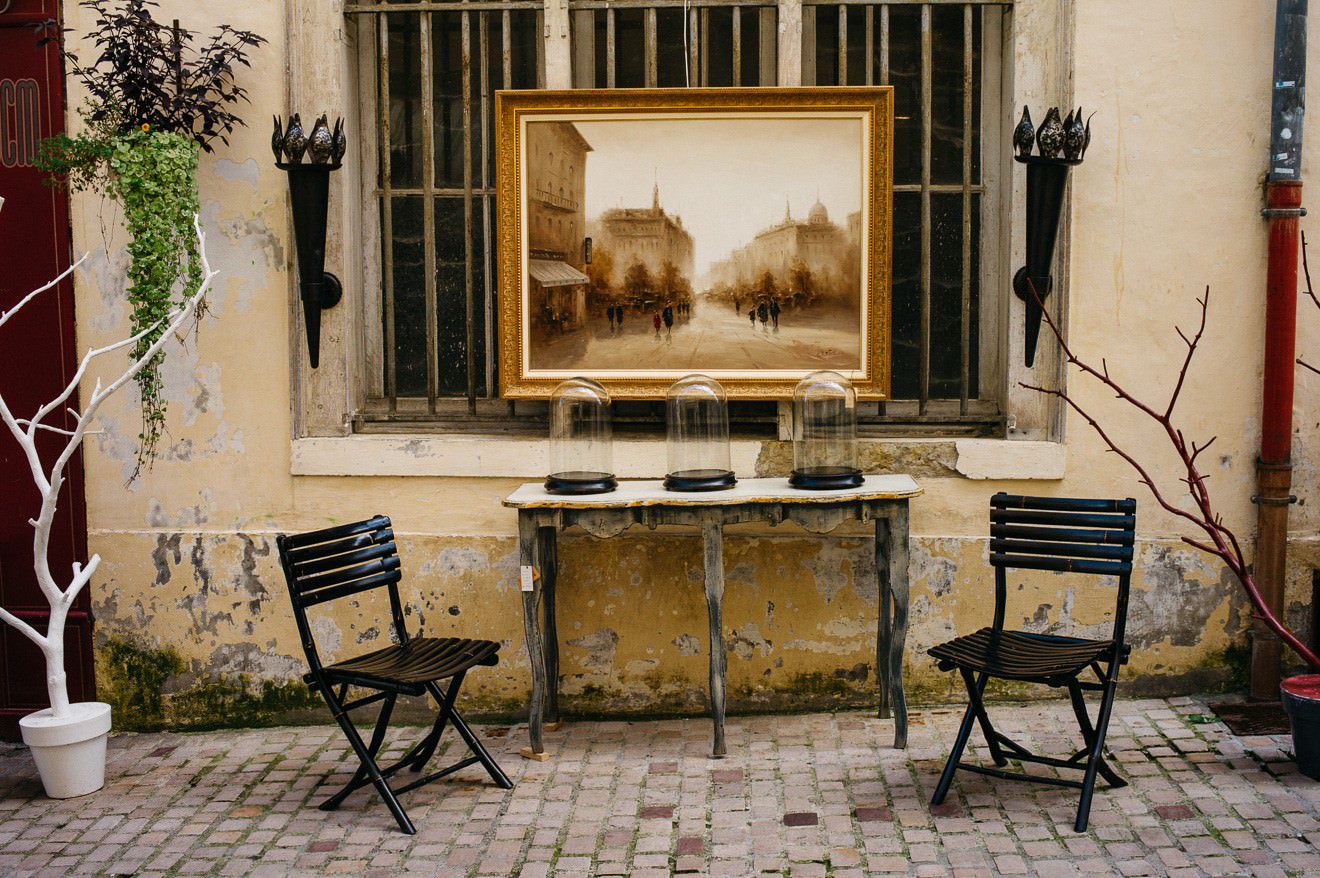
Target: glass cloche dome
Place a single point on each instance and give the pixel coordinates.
(581, 456)
(697, 435)
(825, 433)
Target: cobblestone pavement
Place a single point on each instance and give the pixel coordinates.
(806, 795)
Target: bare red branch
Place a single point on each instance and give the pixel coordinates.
(1222, 543)
(1310, 292)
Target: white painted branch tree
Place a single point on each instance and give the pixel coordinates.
(49, 478)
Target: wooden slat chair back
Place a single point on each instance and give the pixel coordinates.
(350, 561)
(1089, 539)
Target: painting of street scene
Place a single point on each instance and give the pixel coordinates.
(732, 245)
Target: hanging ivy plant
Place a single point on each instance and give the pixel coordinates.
(154, 101)
(154, 176)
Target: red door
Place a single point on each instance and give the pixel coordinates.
(37, 358)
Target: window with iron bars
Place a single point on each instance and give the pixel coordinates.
(429, 96)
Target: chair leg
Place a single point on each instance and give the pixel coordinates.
(1097, 760)
(367, 758)
(449, 714)
(1089, 734)
(421, 754)
(362, 777)
(976, 712)
(474, 744)
(975, 689)
(444, 700)
(955, 756)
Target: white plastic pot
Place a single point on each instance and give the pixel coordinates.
(69, 751)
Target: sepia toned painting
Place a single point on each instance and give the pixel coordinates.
(649, 234)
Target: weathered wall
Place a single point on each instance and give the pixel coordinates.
(192, 626)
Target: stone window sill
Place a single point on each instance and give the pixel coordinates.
(523, 458)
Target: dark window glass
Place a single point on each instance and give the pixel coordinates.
(905, 315)
(905, 77)
(405, 100)
(409, 296)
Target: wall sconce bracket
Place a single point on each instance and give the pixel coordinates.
(309, 196)
(331, 290)
(1047, 176)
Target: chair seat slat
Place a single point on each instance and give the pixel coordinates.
(1019, 655)
(420, 660)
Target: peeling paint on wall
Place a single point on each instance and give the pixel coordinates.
(1184, 592)
(839, 565)
(799, 631)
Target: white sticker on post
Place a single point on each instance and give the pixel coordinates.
(525, 573)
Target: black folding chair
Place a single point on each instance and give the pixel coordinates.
(1047, 533)
(343, 562)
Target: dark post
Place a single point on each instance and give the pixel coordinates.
(1282, 211)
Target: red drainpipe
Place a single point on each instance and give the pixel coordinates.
(1283, 208)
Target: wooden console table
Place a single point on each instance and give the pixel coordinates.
(541, 515)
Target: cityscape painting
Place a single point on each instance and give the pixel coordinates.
(645, 235)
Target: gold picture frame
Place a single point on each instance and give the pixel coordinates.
(647, 234)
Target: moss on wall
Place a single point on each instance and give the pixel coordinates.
(132, 681)
(135, 682)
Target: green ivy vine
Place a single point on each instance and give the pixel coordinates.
(154, 177)
(156, 95)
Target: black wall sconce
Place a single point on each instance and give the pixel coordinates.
(1062, 144)
(309, 191)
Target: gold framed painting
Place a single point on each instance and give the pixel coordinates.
(647, 234)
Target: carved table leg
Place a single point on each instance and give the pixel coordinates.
(528, 556)
(891, 533)
(712, 533)
(885, 627)
(546, 546)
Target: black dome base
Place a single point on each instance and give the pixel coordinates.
(700, 480)
(826, 478)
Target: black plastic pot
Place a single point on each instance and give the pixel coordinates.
(1301, 700)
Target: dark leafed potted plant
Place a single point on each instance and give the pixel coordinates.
(156, 96)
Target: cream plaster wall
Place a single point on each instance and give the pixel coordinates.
(1166, 204)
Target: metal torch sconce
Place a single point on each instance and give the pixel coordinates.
(1062, 144)
(309, 192)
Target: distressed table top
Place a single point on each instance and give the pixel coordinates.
(652, 492)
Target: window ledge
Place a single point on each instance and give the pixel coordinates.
(472, 456)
